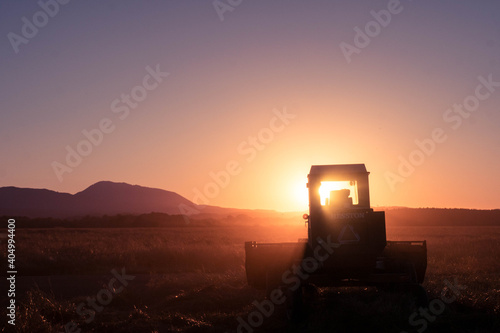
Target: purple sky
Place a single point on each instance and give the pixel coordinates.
(232, 80)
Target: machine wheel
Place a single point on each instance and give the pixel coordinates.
(294, 305)
(411, 288)
(421, 298)
(415, 288)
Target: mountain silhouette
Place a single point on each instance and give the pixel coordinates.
(102, 198)
(110, 198)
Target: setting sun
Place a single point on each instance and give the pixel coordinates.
(300, 195)
(328, 186)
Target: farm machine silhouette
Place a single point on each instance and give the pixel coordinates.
(346, 245)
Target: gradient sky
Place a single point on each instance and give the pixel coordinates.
(227, 79)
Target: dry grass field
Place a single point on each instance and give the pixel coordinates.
(192, 279)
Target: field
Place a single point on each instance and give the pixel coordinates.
(192, 279)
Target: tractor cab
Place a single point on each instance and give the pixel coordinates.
(338, 187)
(339, 208)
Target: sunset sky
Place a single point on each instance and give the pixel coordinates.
(256, 93)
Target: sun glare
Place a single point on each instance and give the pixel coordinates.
(300, 196)
(327, 187)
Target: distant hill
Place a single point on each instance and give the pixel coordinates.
(102, 198)
(110, 198)
(441, 217)
(30, 202)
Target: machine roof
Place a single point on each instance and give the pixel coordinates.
(338, 169)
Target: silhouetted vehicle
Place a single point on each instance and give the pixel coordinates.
(346, 244)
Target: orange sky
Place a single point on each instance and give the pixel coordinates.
(226, 82)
